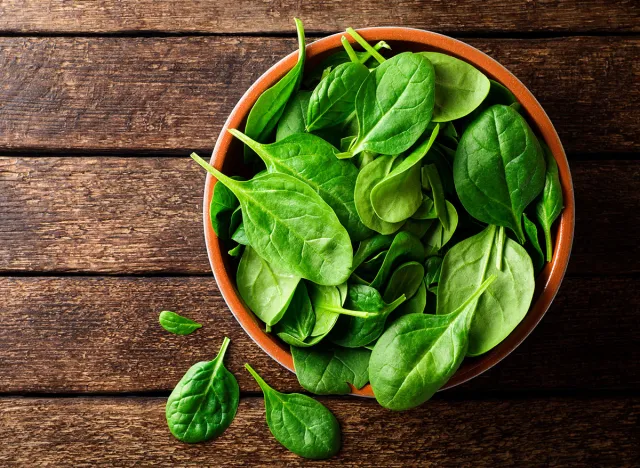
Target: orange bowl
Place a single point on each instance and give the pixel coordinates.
(227, 157)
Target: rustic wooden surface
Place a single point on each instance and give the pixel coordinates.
(100, 229)
(171, 94)
(519, 432)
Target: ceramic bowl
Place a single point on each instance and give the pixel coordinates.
(227, 157)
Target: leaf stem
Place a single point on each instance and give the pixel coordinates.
(500, 248)
(483, 287)
(263, 385)
(350, 52)
(365, 45)
(231, 184)
(549, 246)
(394, 305)
(254, 145)
(223, 348)
(352, 313)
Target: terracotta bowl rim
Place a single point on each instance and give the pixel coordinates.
(547, 282)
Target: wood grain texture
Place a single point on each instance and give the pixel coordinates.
(143, 215)
(242, 16)
(158, 94)
(91, 334)
(132, 431)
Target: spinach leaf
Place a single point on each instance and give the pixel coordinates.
(460, 87)
(298, 321)
(499, 168)
(415, 305)
(437, 235)
(367, 179)
(333, 100)
(327, 305)
(223, 203)
(236, 251)
(433, 269)
(426, 210)
(268, 109)
(354, 332)
(498, 94)
(399, 195)
(289, 224)
(405, 248)
(433, 178)
(419, 353)
(312, 160)
(405, 281)
(300, 423)
(177, 324)
(467, 265)
(371, 247)
(204, 402)
(265, 287)
(294, 117)
(240, 235)
(533, 246)
(418, 227)
(439, 156)
(550, 205)
(329, 370)
(394, 105)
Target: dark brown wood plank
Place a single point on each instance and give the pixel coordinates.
(123, 93)
(143, 215)
(241, 16)
(132, 431)
(88, 334)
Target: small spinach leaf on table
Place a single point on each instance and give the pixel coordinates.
(367, 179)
(299, 319)
(333, 100)
(268, 109)
(533, 245)
(550, 205)
(419, 353)
(265, 287)
(300, 423)
(294, 117)
(312, 160)
(289, 224)
(394, 105)
(460, 87)
(177, 324)
(326, 370)
(354, 332)
(399, 195)
(467, 265)
(204, 402)
(499, 168)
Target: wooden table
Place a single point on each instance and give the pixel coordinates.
(100, 229)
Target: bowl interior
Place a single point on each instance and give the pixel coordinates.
(228, 157)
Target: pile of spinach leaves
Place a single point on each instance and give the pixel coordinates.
(390, 225)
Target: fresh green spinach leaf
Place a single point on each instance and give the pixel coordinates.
(300, 423)
(223, 203)
(334, 99)
(533, 245)
(299, 319)
(312, 160)
(177, 324)
(399, 195)
(394, 105)
(405, 248)
(419, 353)
(433, 269)
(437, 236)
(204, 402)
(290, 225)
(499, 168)
(405, 281)
(294, 117)
(550, 205)
(328, 370)
(467, 265)
(265, 287)
(460, 87)
(269, 107)
(433, 178)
